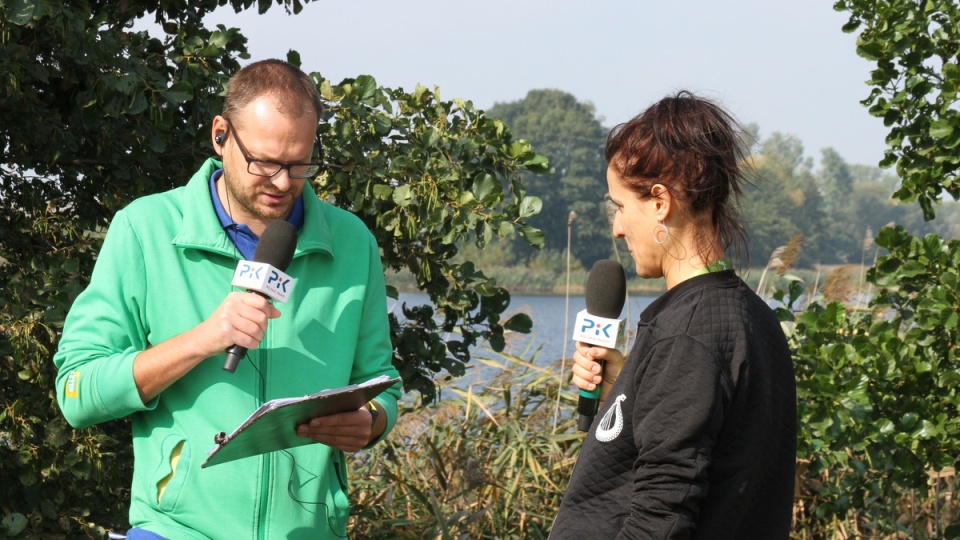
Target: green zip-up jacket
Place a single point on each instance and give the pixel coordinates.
(165, 266)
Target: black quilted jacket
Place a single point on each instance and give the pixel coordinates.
(697, 438)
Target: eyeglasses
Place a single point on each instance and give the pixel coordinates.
(261, 167)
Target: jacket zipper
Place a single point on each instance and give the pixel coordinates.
(265, 462)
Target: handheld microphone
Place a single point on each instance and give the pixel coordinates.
(598, 325)
(265, 274)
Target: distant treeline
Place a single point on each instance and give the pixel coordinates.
(831, 211)
(541, 279)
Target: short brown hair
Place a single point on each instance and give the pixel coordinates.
(296, 93)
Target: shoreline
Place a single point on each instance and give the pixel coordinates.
(574, 290)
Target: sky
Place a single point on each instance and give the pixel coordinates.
(784, 65)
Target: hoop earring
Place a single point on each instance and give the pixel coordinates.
(661, 233)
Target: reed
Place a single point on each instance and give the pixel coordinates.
(484, 463)
(781, 260)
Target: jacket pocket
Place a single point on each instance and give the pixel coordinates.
(171, 473)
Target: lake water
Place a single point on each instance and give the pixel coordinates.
(553, 318)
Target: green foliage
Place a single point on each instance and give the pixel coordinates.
(833, 208)
(569, 134)
(544, 273)
(53, 479)
(98, 114)
(426, 176)
(877, 388)
(787, 197)
(915, 46)
(879, 408)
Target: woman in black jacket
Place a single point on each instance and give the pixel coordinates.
(696, 437)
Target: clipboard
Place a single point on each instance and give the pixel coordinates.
(273, 426)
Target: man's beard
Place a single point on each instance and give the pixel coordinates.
(250, 207)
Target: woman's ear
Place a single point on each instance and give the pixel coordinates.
(664, 201)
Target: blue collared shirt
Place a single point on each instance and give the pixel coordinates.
(240, 234)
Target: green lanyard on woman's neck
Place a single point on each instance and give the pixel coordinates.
(716, 266)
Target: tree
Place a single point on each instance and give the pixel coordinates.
(831, 208)
(784, 200)
(836, 179)
(427, 176)
(568, 133)
(877, 387)
(915, 48)
(98, 114)
(102, 115)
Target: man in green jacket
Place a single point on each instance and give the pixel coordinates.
(146, 339)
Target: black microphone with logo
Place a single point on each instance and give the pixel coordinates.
(598, 325)
(265, 274)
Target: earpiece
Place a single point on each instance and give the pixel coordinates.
(219, 138)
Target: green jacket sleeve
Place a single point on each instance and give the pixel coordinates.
(103, 334)
(375, 350)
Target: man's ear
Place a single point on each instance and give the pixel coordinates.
(218, 133)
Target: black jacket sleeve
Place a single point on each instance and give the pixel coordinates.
(680, 400)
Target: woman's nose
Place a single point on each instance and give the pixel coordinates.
(617, 227)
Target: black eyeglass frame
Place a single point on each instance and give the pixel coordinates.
(279, 166)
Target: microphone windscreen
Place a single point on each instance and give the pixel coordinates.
(606, 289)
(276, 245)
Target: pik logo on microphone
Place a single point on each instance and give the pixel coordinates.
(264, 279)
(597, 327)
(599, 330)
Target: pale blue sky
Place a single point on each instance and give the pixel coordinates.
(784, 65)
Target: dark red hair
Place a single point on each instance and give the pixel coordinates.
(696, 150)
